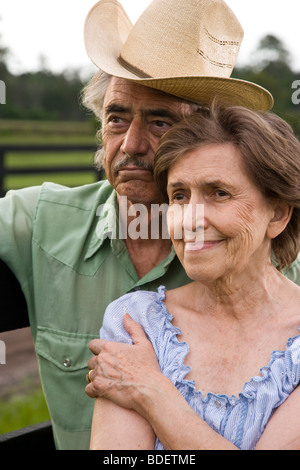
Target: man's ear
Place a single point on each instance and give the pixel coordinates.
(281, 217)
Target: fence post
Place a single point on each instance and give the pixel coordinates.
(2, 157)
(2, 353)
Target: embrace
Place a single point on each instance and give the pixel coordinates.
(214, 364)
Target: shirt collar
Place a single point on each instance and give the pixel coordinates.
(106, 225)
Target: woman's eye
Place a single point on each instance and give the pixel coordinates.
(178, 197)
(221, 194)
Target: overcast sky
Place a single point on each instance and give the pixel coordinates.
(54, 29)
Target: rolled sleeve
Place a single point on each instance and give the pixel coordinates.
(17, 210)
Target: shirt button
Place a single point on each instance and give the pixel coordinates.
(218, 404)
(67, 362)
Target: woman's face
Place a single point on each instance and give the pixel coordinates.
(234, 228)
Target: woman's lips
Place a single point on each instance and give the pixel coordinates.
(201, 245)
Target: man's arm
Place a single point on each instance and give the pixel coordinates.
(17, 211)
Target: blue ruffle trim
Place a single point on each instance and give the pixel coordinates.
(250, 388)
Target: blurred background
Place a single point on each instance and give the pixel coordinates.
(46, 134)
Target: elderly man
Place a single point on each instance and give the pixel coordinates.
(72, 249)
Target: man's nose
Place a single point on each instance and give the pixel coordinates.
(136, 141)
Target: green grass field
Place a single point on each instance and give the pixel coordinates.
(18, 160)
(21, 410)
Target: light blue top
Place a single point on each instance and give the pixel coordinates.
(241, 420)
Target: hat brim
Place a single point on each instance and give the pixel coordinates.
(203, 90)
(107, 27)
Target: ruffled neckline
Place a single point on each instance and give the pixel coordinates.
(249, 388)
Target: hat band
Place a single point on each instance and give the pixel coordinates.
(131, 68)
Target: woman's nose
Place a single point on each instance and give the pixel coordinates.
(193, 221)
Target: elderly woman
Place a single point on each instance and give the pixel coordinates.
(214, 364)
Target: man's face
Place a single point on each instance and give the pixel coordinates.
(135, 118)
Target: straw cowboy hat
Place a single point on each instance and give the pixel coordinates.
(186, 48)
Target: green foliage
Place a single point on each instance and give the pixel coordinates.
(42, 95)
(272, 69)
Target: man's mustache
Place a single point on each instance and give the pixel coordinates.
(130, 161)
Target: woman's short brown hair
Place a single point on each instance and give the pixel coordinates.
(270, 151)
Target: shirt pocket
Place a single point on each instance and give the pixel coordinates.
(63, 358)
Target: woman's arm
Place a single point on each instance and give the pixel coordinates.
(176, 424)
(283, 430)
(129, 376)
(115, 425)
(116, 428)
(131, 386)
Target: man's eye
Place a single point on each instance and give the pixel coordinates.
(159, 128)
(115, 119)
(116, 124)
(162, 124)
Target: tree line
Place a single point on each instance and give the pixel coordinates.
(271, 67)
(44, 95)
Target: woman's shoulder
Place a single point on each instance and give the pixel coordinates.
(144, 307)
(133, 302)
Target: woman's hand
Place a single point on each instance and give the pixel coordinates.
(129, 376)
(123, 372)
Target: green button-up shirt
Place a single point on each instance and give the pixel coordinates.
(55, 241)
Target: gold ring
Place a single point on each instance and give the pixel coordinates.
(88, 378)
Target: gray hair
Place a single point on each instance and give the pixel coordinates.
(93, 99)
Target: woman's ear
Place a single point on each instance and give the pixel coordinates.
(281, 216)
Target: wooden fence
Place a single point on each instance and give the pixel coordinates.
(23, 170)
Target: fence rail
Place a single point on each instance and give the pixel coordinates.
(23, 170)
